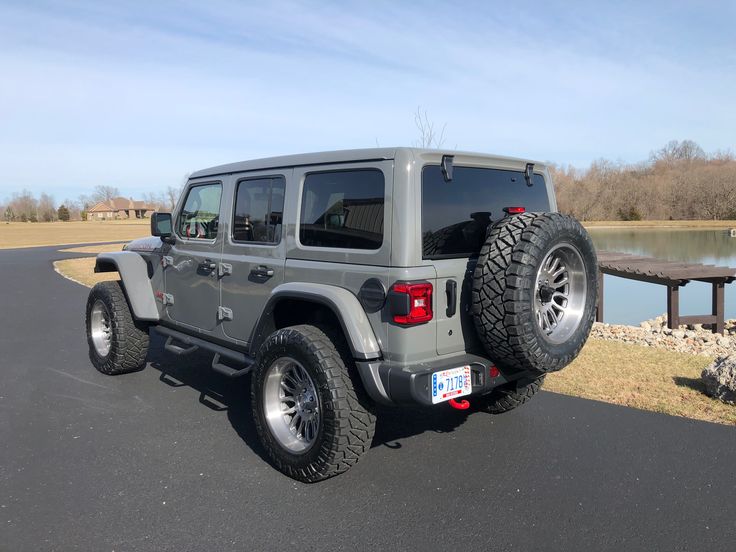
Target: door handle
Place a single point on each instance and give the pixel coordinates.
(208, 264)
(451, 291)
(262, 271)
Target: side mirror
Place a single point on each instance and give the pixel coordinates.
(161, 225)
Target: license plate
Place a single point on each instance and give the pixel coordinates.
(450, 384)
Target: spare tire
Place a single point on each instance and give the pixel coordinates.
(534, 292)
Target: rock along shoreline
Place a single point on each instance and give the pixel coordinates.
(694, 339)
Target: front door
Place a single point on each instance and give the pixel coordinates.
(190, 275)
(254, 250)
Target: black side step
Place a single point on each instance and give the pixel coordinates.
(193, 343)
(171, 347)
(229, 371)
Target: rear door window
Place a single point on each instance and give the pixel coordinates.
(456, 214)
(343, 209)
(259, 209)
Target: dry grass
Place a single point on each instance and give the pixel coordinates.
(82, 271)
(618, 373)
(37, 234)
(95, 248)
(641, 377)
(660, 223)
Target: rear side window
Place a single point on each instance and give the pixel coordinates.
(200, 214)
(259, 210)
(343, 209)
(456, 214)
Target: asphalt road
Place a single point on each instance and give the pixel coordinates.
(167, 459)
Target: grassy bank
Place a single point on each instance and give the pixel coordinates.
(37, 234)
(724, 224)
(641, 377)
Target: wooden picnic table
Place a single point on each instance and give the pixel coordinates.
(673, 275)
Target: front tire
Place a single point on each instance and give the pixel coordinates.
(312, 419)
(117, 343)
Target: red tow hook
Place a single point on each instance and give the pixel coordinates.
(462, 404)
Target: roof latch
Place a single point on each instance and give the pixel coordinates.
(529, 174)
(447, 167)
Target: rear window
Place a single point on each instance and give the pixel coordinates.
(455, 214)
(343, 209)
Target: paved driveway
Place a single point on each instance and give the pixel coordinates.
(167, 459)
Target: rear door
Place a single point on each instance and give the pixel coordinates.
(190, 273)
(254, 250)
(455, 218)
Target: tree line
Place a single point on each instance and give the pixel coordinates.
(24, 206)
(678, 182)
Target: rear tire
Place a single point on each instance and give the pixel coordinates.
(117, 343)
(312, 419)
(509, 396)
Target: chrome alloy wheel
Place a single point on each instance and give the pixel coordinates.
(100, 328)
(291, 405)
(560, 291)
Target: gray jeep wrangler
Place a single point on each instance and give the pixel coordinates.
(344, 279)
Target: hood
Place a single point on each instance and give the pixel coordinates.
(151, 243)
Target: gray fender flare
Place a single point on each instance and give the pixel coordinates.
(134, 274)
(348, 310)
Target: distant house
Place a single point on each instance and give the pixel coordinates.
(120, 208)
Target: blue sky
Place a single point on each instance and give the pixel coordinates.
(137, 94)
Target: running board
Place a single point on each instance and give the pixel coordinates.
(229, 371)
(171, 347)
(193, 343)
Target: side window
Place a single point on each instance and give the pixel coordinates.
(259, 208)
(343, 209)
(199, 216)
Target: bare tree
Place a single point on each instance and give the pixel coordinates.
(104, 193)
(46, 208)
(173, 192)
(24, 206)
(172, 195)
(675, 151)
(75, 209)
(157, 200)
(429, 136)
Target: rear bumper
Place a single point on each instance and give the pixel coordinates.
(392, 383)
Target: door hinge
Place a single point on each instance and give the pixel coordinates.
(224, 269)
(167, 260)
(224, 313)
(167, 299)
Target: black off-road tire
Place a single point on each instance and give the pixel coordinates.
(129, 339)
(503, 293)
(509, 396)
(347, 423)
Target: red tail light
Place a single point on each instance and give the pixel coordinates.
(411, 303)
(514, 210)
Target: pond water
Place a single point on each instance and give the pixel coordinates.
(630, 302)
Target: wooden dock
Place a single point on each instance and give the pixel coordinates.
(673, 275)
